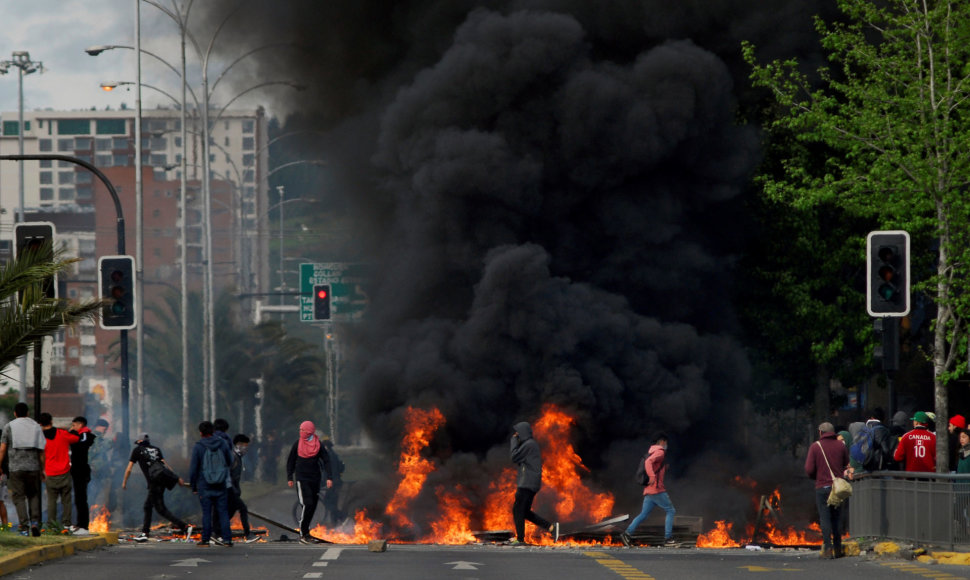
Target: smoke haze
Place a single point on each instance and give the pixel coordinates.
(551, 193)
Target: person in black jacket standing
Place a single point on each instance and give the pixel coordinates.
(527, 456)
(81, 473)
(303, 470)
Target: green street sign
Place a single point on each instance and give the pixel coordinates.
(346, 279)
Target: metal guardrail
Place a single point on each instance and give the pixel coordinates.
(928, 508)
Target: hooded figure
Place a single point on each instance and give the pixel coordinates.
(306, 465)
(525, 453)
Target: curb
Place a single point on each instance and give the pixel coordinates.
(31, 556)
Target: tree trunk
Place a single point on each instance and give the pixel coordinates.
(823, 411)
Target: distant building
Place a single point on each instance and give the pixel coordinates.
(84, 214)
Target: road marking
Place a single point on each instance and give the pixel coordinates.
(918, 570)
(464, 565)
(618, 566)
(313, 575)
(331, 554)
(763, 569)
(320, 563)
(193, 562)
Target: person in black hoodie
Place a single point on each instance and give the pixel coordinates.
(81, 473)
(303, 470)
(525, 453)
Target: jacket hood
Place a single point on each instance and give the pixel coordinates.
(50, 433)
(211, 442)
(524, 430)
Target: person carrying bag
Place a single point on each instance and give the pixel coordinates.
(829, 494)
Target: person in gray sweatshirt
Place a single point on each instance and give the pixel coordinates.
(527, 456)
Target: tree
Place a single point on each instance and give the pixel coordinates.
(34, 316)
(891, 115)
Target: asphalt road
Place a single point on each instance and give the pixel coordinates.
(286, 560)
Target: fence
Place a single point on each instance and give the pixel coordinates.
(927, 508)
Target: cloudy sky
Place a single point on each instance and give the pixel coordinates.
(56, 32)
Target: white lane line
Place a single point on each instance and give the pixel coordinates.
(316, 564)
(313, 575)
(331, 554)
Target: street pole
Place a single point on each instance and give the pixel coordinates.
(281, 191)
(139, 237)
(183, 238)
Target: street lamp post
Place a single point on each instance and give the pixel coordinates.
(21, 60)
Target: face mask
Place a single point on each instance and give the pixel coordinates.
(241, 450)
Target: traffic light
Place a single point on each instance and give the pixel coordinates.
(321, 302)
(116, 280)
(887, 261)
(37, 237)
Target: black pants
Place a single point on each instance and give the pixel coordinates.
(156, 501)
(330, 500)
(237, 504)
(309, 495)
(522, 511)
(80, 477)
(829, 520)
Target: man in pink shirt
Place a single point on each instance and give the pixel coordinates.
(917, 449)
(57, 469)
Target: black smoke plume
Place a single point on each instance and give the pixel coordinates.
(551, 194)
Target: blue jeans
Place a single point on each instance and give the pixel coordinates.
(661, 500)
(218, 498)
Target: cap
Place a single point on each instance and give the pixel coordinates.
(920, 417)
(958, 421)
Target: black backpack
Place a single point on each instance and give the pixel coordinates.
(641, 476)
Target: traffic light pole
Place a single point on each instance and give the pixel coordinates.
(121, 250)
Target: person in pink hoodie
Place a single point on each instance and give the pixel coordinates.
(654, 493)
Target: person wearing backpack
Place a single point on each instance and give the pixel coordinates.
(209, 478)
(307, 459)
(145, 454)
(654, 492)
(873, 446)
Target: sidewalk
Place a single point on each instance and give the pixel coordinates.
(31, 556)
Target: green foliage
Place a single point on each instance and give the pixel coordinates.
(882, 139)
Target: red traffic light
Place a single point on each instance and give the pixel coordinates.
(321, 293)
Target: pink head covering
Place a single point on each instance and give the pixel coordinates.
(309, 444)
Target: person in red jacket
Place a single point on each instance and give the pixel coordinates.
(917, 449)
(654, 493)
(827, 457)
(57, 469)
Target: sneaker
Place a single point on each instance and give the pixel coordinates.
(81, 532)
(670, 542)
(25, 532)
(554, 530)
(142, 537)
(71, 529)
(218, 541)
(202, 543)
(625, 538)
(250, 539)
(306, 540)
(515, 542)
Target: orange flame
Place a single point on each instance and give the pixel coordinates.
(421, 426)
(100, 521)
(719, 537)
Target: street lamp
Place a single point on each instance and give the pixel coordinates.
(21, 60)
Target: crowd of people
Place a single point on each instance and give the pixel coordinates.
(36, 456)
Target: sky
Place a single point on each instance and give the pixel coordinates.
(56, 32)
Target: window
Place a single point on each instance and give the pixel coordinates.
(159, 175)
(102, 160)
(65, 193)
(46, 163)
(110, 126)
(249, 175)
(84, 157)
(119, 142)
(47, 194)
(158, 143)
(10, 128)
(248, 159)
(83, 177)
(178, 141)
(102, 144)
(82, 142)
(120, 160)
(65, 144)
(248, 143)
(227, 141)
(65, 177)
(157, 160)
(45, 145)
(248, 126)
(74, 126)
(157, 125)
(46, 178)
(85, 192)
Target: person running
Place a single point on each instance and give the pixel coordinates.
(526, 454)
(303, 470)
(654, 493)
(145, 454)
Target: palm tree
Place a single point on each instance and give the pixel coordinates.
(34, 315)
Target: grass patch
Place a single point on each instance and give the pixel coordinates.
(11, 542)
